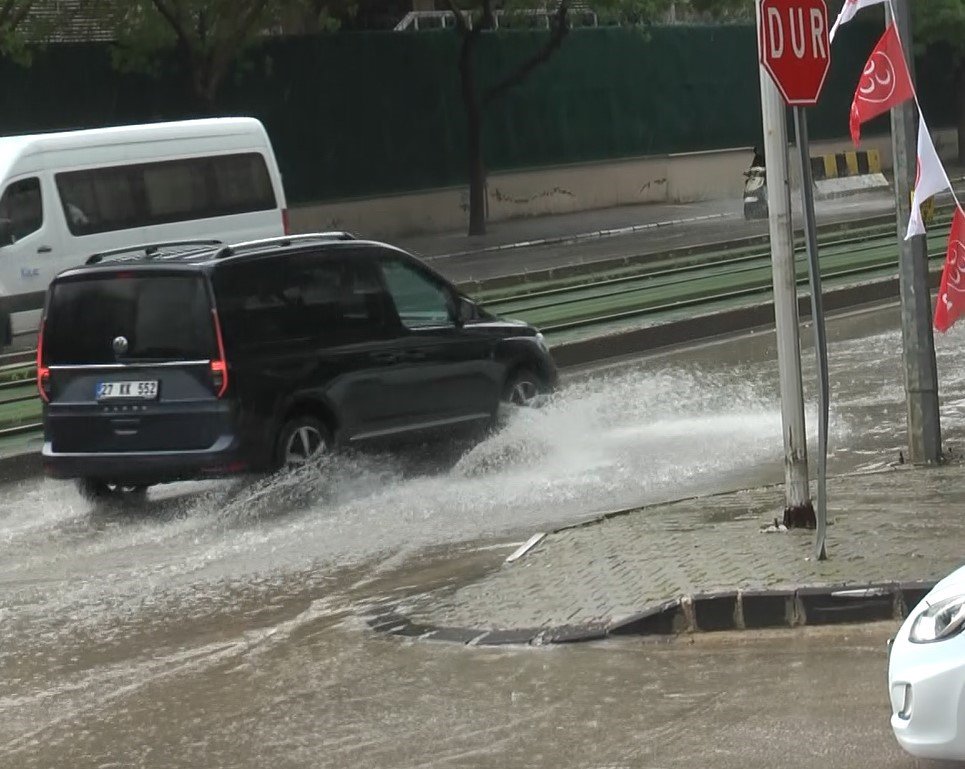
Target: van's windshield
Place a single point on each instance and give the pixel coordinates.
(160, 317)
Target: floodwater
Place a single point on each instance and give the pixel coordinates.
(219, 625)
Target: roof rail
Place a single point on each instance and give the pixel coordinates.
(283, 241)
(151, 250)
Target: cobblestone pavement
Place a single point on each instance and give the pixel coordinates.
(899, 526)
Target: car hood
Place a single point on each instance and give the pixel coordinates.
(953, 584)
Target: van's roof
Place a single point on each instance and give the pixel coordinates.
(14, 147)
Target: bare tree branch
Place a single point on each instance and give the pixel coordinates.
(461, 25)
(559, 30)
(174, 20)
(226, 50)
(488, 20)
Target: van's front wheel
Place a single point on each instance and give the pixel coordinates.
(522, 388)
(94, 490)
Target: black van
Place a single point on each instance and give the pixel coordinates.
(183, 361)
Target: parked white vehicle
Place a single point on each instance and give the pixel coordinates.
(65, 196)
(926, 674)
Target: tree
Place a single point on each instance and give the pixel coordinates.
(942, 23)
(29, 22)
(473, 19)
(207, 35)
(12, 15)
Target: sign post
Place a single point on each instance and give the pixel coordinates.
(820, 337)
(795, 51)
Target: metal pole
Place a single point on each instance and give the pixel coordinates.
(817, 318)
(798, 510)
(918, 341)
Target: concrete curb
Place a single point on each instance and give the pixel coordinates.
(699, 613)
(581, 236)
(716, 324)
(595, 267)
(833, 189)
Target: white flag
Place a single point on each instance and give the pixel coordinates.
(930, 178)
(848, 10)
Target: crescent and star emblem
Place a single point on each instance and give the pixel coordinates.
(878, 80)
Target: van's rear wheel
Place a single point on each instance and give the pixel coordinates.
(94, 490)
(301, 440)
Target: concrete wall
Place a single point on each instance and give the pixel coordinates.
(681, 178)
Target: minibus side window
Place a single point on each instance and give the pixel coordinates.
(149, 194)
(21, 210)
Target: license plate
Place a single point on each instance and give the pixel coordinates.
(145, 390)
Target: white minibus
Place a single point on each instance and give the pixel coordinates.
(65, 196)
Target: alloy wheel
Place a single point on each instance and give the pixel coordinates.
(523, 391)
(302, 445)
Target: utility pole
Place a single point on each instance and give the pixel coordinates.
(798, 510)
(918, 341)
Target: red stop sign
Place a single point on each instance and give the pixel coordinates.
(794, 47)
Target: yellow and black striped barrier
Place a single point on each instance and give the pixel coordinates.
(927, 209)
(847, 173)
(843, 164)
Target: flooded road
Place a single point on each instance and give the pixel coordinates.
(219, 625)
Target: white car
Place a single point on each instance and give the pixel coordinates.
(926, 674)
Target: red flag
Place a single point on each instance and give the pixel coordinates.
(884, 83)
(951, 292)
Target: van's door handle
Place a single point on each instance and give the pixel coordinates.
(44, 250)
(384, 357)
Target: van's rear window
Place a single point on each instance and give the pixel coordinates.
(161, 317)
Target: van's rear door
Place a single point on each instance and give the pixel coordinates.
(129, 353)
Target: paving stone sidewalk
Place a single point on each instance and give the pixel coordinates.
(899, 530)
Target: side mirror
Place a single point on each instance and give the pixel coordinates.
(463, 310)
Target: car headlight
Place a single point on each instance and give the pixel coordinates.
(939, 621)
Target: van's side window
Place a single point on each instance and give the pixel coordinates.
(145, 194)
(343, 299)
(419, 300)
(306, 297)
(21, 210)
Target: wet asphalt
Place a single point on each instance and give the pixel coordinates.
(223, 625)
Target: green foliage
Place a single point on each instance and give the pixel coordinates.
(941, 22)
(26, 25)
(207, 35)
(13, 41)
(717, 10)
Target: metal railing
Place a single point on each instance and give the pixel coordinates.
(418, 20)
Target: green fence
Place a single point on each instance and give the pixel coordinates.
(356, 114)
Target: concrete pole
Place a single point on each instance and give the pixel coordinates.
(918, 341)
(798, 510)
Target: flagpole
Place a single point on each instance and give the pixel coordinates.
(918, 342)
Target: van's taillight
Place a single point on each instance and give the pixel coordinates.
(286, 222)
(219, 366)
(219, 376)
(43, 373)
